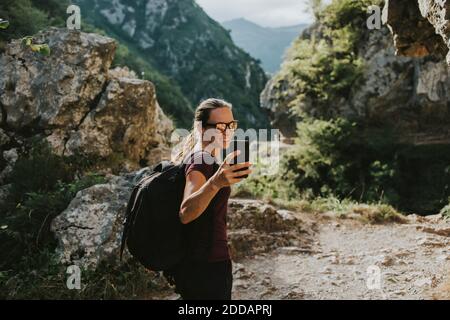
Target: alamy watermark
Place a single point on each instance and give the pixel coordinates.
(264, 146)
(74, 279)
(374, 280)
(376, 17)
(74, 20)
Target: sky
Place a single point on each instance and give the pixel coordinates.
(267, 13)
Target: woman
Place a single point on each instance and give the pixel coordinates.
(206, 273)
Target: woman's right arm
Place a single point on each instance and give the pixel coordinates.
(199, 192)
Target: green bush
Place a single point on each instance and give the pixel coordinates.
(337, 157)
(41, 276)
(27, 17)
(261, 186)
(42, 186)
(39, 170)
(348, 158)
(281, 193)
(331, 158)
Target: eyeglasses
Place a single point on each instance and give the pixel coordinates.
(222, 126)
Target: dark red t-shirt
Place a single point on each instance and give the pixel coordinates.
(203, 162)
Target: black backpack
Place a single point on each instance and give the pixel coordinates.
(152, 227)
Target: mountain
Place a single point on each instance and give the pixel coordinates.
(265, 44)
(184, 44)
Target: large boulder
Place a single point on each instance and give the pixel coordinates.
(56, 90)
(127, 120)
(89, 229)
(72, 99)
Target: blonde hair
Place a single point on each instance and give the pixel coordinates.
(201, 117)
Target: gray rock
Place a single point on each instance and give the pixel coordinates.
(55, 90)
(78, 104)
(125, 121)
(89, 230)
(10, 156)
(422, 282)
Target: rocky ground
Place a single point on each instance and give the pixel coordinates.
(335, 258)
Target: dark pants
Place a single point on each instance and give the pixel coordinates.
(197, 280)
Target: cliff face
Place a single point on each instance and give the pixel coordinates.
(420, 28)
(89, 230)
(184, 43)
(410, 94)
(75, 102)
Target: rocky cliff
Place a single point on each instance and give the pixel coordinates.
(74, 101)
(411, 94)
(420, 27)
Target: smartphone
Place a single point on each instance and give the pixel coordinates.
(244, 156)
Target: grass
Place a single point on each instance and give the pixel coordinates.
(445, 212)
(281, 192)
(42, 277)
(376, 213)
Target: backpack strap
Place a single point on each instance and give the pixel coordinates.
(129, 217)
(160, 167)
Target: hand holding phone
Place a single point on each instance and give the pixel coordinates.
(244, 156)
(228, 174)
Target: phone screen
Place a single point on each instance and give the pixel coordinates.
(244, 156)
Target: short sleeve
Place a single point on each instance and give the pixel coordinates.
(201, 162)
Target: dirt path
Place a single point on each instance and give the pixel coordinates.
(411, 260)
(335, 258)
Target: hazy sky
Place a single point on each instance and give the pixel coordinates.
(268, 13)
